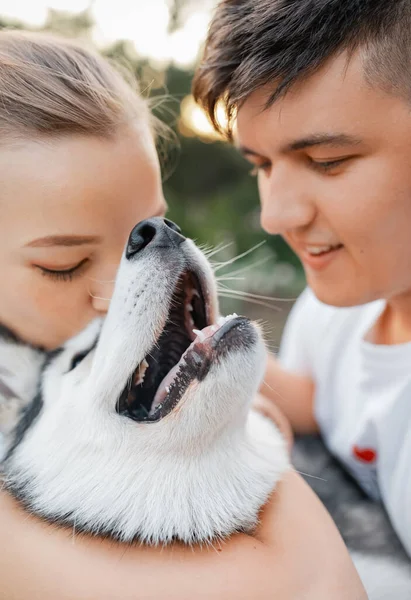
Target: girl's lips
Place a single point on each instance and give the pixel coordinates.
(320, 261)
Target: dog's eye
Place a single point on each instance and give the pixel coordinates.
(77, 360)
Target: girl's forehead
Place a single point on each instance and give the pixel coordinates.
(65, 182)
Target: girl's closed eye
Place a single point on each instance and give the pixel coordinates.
(63, 274)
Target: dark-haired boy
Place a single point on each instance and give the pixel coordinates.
(320, 91)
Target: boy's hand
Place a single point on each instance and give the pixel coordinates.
(291, 394)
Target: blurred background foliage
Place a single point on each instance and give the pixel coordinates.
(208, 185)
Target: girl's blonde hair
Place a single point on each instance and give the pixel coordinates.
(52, 86)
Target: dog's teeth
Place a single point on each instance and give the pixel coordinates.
(199, 334)
(168, 389)
(190, 307)
(139, 377)
(221, 320)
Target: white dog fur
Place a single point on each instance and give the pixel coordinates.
(201, 472)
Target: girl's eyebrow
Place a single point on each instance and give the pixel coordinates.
(64, 240)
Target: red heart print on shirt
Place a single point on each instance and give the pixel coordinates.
(365, 455)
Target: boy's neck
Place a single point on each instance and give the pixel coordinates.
(394, 324)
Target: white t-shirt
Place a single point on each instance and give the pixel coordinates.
(362, 399)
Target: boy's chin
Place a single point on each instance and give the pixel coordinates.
(339, 295)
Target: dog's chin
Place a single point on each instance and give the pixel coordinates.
(188, 345)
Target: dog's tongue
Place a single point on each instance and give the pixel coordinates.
(201, 337)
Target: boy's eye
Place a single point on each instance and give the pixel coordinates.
(256, 168)
(63, 275)
(327, 165)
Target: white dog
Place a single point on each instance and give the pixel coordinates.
(142, 428)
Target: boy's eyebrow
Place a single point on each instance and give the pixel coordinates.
(318, 139)
(64, 240)
(323, 139)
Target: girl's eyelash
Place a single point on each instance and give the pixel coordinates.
(67, 275)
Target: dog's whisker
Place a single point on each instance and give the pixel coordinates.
(256, 296)
(223, 278)
(257, 263)
(273, 390)
(100, 297)
(218, 249)
(235, 258)
(225, 294)
(100, 280)
(311, 476)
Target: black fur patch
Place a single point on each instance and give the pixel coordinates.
(30, 412)
(50, 356)
(28, 416)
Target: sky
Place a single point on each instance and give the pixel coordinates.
(144, 22)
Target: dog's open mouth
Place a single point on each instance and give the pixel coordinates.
(183, 352)
(153, 380)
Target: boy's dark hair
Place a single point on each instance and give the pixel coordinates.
(254, 43)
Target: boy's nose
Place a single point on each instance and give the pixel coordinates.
(155, 232)
(286, 204)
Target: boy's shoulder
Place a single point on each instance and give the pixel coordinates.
(314, 330)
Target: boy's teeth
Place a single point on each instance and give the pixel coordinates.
(319, 249)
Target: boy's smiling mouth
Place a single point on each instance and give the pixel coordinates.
(316, 256)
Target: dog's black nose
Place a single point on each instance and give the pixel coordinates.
(156, 232)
